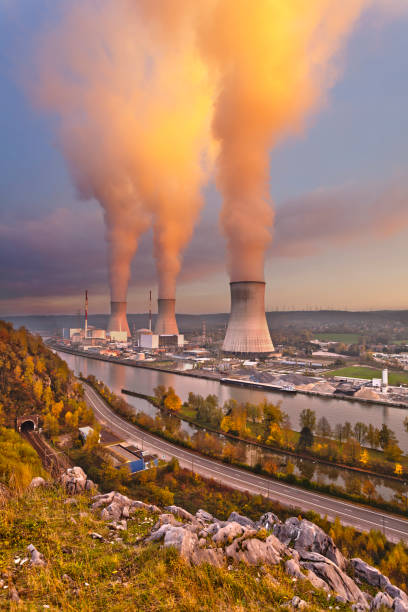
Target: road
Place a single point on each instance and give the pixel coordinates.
(394, 527)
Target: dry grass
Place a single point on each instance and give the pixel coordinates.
(83, 574)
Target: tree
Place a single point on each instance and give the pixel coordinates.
(323, 428)
(306, 439)
(364, 457)
(360, 432)
(172, 401)
(372, 436)
(386, 436)
(369, 490)
(347, 430)
(338, 432)
(160, 394)
(307, 419)
(392, 452)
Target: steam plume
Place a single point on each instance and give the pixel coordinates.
(133, 108)
(273, 63)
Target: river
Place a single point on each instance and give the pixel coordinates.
(118, 377)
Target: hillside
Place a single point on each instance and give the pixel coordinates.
(89, 551)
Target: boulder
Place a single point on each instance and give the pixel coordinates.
(213, 556)
(334, 577)
(369, 574)
(307, 536)
(234, 517)
(255, 552)
(165, 519)
(37, 558)
(400, 605)
(119, 506)
(298, 604)
(113, 512)
(380, 601)
(74, 480)
(180, 513)
(292, 568)
(226, 534)
(267, 521)
(396, 593)
(37, 482)
(203, 515)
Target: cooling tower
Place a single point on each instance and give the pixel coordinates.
(247, 332)
(166, 317)
(118, 320)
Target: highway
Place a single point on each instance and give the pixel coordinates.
(364, 519)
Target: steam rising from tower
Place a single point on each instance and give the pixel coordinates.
(118, 320)
(247, 332)
(166, 323)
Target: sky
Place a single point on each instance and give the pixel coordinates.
(340, 190)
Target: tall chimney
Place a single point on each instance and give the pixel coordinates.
(247, 331)
(166, 319)
(118, 320)
(86, 313)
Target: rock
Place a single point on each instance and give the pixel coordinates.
(118, 525)
(204, 516)
(97, 536)
(336, 579)
(254, 552)
(74, 480)
(381, 600)
(234, 517)
(180, 512)
(396, 593)
(71, 501)
(226, 534)
(182, 540)
(36, 557)
(292, 568)
(297, 603)
(165, 519)
(400, 605)
(369, 574)
(267, 521)
(307, 536)
(212, 529)
(112, 512)
(213, 556)
(37, 482)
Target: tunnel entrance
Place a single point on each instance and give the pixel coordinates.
(27, 426)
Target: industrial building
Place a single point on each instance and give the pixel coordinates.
(247, 331)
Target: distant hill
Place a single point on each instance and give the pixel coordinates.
(316, 319)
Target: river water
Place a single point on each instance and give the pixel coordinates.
(118, 377)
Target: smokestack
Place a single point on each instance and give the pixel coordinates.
(247, 331)
(150, 310)
(86, 313)
(118, 320)
(166, 320)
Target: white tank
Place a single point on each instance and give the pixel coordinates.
(118, 320)
(166, 323)
(247, 331)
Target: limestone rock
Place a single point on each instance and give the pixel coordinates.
(165, 519)
(74, 480)
(180, 513)
(37, 482)
(400, 605)
(381, 600)
(37, 558)
(292, 568)
(308, 536)
(204, 516)
(226, 534)
(254, 552)
(336, 579)
(213, 556)
(297, 603)
(369, 574)
(234, 517)
(267, 521)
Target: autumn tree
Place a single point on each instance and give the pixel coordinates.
(307, 419)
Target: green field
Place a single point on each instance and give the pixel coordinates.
(394, 378)
(345, 338)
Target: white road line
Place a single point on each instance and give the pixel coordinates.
(200, 461)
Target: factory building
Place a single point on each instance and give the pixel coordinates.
(247, 331)
(148, 340)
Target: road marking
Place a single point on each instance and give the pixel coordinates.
(200, 461)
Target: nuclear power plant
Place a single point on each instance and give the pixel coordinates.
(166, 323)
(247, 331)
(118, 320)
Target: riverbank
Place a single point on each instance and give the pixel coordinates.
(279, 451)
(222, 379)
(142, 422)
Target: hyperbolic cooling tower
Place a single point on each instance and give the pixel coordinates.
(166, 319)
(118, 320)
(247, 331)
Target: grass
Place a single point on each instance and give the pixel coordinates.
(394, 378)
(83, 574)
(346, 338)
